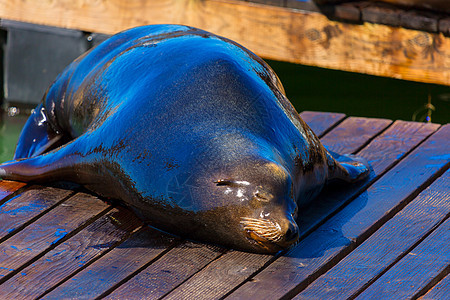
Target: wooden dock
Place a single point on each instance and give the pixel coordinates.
(387, 238)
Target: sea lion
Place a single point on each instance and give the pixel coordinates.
(189, 129)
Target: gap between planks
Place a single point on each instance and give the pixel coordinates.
(387, 246)
(101, 210)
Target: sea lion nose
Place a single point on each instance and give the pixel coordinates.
(292, 233)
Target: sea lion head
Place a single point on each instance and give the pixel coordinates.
(246, 204)
(264, 209)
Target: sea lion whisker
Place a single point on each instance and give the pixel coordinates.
(265, 225)
(254, 219)
(266, 229)
(270, 236)
(255, 228)
(261, 225)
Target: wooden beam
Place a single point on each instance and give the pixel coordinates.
(277, 33)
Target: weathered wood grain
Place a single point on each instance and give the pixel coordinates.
(309, 5)
(422, 266)
(227, 271)
(395, 143)
(44, 233)
(321, 122)
(444, 26)
(357, 131)
(8, 187)
(191, 270)
(386, 246)
(196, 287)
(116, 266)
(419, 20)
(382, 153)
(22, 209)
(168, 272)
(382, 14)
(333, 240)
(439, 291)
(71, 256)
(269, 2)
(278, 33)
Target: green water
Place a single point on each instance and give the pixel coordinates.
(317, 89)
(10, 128)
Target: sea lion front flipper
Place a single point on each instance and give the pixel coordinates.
(37, 136)
(347, 167)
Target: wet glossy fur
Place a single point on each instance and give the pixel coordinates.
(190, 130)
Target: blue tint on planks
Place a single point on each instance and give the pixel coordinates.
(60, 233)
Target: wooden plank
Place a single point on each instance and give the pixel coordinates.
(381, 13)
(222, 268)
(382, 153)
(308, 5)
(385, 247)
(168, 272)
(439, 291)
(44, 234)
(357, 131)
(8, 187)
(116, 266)
(71, 256)
(221, 275)
(269, 2)
(278, 33)
(333, 240)
(444, 26)
(24, 208)
(393, 144)
(320, 122)
(424, 265)
(419, 20)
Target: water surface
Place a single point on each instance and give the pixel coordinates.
(317, 89)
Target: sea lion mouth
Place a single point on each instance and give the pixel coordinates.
(262, 230)
(269, 234)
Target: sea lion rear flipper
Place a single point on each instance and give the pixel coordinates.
(37, 136)
(348, 167)
(66, 163)
(59, 164)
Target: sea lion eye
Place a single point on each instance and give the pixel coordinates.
(222, 182)
(230, 182)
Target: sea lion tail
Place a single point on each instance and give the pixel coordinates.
(38, 136)
(347, 167)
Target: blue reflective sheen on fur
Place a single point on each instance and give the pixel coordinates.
(189, 129)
